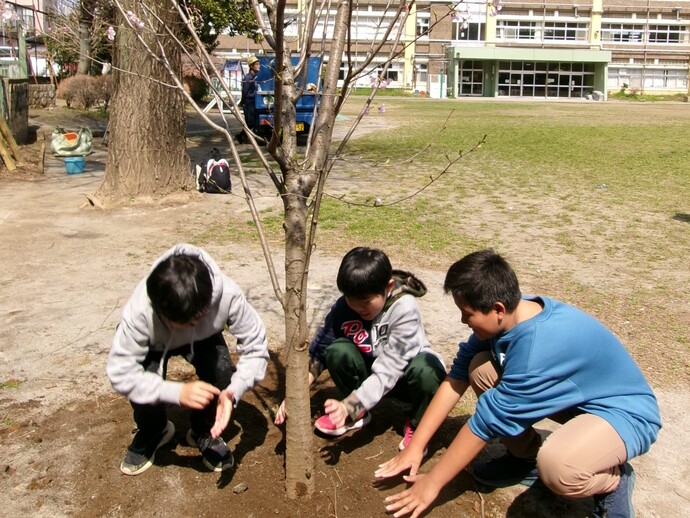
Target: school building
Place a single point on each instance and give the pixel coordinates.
(512, 48)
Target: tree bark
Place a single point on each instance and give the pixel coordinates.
(300, 180)
(147, 152)
(299, 458)
(84, 31)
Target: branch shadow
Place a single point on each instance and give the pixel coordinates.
(682, 217)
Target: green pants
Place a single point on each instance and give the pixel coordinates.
(417, 385)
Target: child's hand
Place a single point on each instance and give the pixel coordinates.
(281, 414)
(337, 411)
(197, 394)
(223, 413)
(415, 499)
(410, 458)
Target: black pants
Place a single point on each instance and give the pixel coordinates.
(250, 118)
(213, 365)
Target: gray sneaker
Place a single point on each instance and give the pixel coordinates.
(141, 452)
(617, 503)
(214, 452)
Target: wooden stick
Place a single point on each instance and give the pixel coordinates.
(7, 158)
(7, 133)
(42, 157)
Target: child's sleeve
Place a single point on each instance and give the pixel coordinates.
(466, 351)
(406, 339)
(247, 327)
(126, 372)
(317, 349)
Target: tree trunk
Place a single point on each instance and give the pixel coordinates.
(147, 152)
(299, 460)
(84, 31)
(300, 180)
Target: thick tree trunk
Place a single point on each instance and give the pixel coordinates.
(147, 153)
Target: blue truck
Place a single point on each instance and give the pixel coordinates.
(264, 100)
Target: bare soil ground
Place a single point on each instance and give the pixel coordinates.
(68, 268)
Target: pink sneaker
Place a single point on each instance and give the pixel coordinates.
(408, 432)
(324, 424)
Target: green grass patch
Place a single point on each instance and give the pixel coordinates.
(637, 96)
(11, 384)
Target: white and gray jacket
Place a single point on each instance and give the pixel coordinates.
(141, 330)
(393, 339)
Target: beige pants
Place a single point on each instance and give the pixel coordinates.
(579, 459)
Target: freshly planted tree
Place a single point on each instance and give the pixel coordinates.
(298, 173)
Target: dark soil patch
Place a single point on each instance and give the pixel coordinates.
(78, 449)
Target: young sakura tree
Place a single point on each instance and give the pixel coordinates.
(151, 34)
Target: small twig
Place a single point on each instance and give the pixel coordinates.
(432, 179)
(335, 498)
(27, 433)
(481, 500)
(682, 496)
(117, 304)
(374, 456)
(336, 472)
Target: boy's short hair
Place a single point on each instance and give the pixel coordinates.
(363, 272)
(482, 278)
(180, 288)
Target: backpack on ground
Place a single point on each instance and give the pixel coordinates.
(213, 174)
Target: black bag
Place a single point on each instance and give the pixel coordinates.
(213, 174)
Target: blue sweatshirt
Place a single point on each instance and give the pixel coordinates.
(559, 359)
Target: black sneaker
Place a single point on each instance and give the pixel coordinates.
(140, 454)
(214, 452)
(506, 471)
(617, 503)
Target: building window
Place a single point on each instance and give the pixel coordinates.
(515, 30)
(541, 79)
(392, 75)
(422, 25)
(471, 78)
(467, 31)
(638, 33)
(421, 74)
(666, 33)
(26, 17)
(640, 78)
(622, 32)
(566, 31)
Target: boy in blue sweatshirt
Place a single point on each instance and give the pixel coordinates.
(373, 343)
(530, 358)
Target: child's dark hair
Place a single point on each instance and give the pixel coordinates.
(482, 278)
(180, 288)
(363, 272)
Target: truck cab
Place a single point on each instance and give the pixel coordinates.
(264, 99)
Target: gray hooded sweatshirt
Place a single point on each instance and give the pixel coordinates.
(140, 330)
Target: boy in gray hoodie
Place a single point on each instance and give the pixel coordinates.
(373, 343)
(181, 309)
